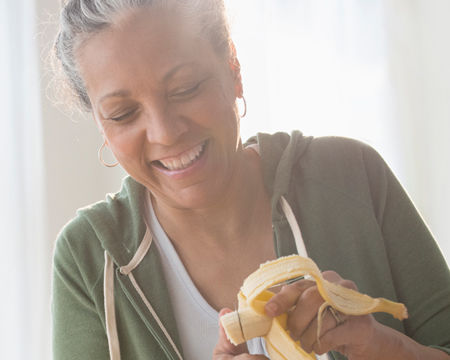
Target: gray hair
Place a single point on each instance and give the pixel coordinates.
(81, 18)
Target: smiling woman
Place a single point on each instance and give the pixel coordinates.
(168, 97)
(144, 273)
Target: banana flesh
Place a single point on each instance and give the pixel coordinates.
(250, 321)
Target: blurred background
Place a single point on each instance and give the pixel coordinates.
(375, 70)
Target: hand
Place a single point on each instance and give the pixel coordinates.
(354, 336)
(225, 350)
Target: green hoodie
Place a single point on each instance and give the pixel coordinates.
(355, 219)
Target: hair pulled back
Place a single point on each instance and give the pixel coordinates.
(80, 19)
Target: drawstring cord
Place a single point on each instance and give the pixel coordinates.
(299, 243)
(110, 314)
(111, 325)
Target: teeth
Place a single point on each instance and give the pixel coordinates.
(184, 160)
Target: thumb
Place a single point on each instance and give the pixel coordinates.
(224, 346)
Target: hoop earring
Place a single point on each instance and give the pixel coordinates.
(100, 156)
(245, 107)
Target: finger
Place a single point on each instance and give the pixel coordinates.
(348, 284)
(304, 325)
(308, 339)
(304, 313)
(333, 339)
(287, 297)
(249, 357)
(334, 277)
(355, 332)
(224, 346)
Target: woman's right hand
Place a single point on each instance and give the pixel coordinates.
(225, 350)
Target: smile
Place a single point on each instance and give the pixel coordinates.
(183, 160)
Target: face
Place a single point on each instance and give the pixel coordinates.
(165, 103)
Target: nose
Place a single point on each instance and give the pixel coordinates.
(163, 126)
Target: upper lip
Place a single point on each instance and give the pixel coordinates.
(179, 154)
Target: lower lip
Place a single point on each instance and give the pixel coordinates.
(196, 165)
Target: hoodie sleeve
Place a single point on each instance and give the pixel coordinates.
(420, 274)
(78, 331)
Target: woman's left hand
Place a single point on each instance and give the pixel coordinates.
(225, 350)
(354, 336)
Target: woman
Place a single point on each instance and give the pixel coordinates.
(143, 274)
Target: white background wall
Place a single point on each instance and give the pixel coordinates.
(419, 44)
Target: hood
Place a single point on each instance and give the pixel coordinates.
(117, 221)
(280, 153)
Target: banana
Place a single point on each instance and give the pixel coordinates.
(250, 321)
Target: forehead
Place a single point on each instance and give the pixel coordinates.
(143, 44)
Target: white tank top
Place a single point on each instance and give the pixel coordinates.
(197, 321)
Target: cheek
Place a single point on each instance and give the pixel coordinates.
(214, 108)
(125, 142)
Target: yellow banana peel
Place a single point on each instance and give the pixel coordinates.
(250, 321)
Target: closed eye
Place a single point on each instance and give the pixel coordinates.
(186, 92)
(123, 116)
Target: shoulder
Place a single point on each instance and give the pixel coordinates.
(334, 164)
(341, 157)
(343, 168)
(78, 248)
(330, 148)
(101, 226)
(294, 148)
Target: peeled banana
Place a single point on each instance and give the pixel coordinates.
(250, 321)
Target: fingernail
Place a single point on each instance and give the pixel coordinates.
(224, 311)
(271, 308)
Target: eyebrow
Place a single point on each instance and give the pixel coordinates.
(125, 93)
(117, 93)
(177, 68)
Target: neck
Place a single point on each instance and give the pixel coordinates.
(236, 215)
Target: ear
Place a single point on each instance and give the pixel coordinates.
(235, 67)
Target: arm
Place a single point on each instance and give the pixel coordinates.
(420, 274)
(414, 266)
(397, 346)
(78, 332)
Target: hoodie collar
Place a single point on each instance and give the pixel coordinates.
(118, 221)
(279, 152)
